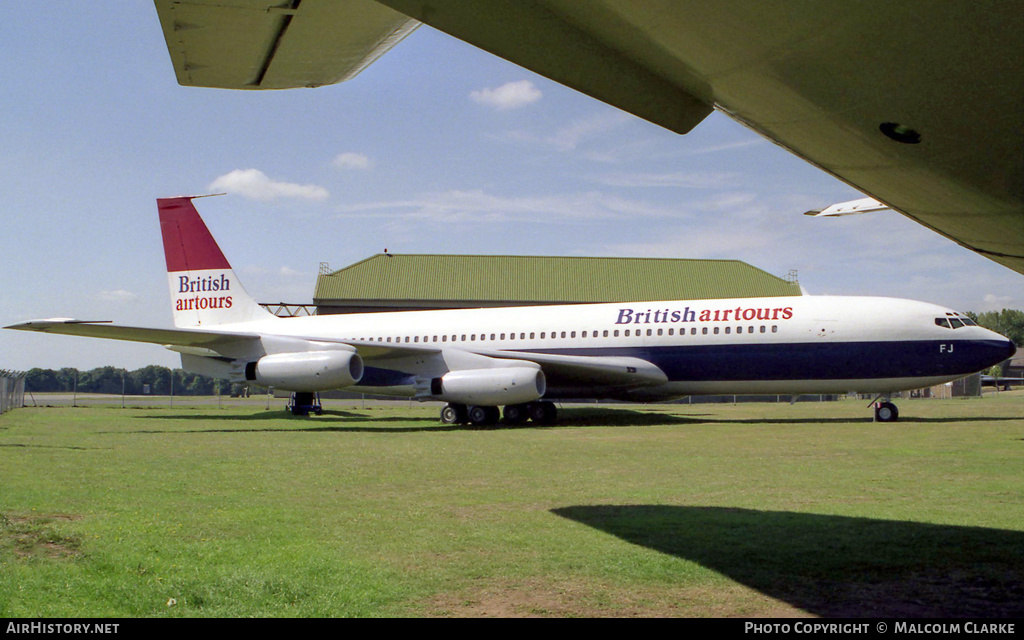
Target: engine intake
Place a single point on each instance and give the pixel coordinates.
(307, 371)
(490, 387)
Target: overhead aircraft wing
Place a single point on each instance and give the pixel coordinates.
(275, 44)
(927, 116)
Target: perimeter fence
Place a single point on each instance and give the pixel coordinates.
(12, 390)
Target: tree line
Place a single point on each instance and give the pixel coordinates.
(151, 380)
(1009, 322)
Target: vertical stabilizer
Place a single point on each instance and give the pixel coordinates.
(204, 288)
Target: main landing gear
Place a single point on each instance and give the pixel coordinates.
(885, 411)
(542, 412)
(304, 403)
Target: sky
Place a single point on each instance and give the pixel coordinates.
(437, 147)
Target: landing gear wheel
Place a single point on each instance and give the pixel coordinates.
(484, 416)
(516, 414)
(542, 412)
(886, 412)
(454, 414)
(303, 403)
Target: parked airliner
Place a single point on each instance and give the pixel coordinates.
(522, 358)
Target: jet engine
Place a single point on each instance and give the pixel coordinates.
(307, 371)
(490, 387)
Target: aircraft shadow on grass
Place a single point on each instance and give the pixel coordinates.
(834, 566)
(345, 421)
(338, 420)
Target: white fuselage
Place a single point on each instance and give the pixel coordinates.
(806, 344)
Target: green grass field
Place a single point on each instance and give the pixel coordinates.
(379, 510)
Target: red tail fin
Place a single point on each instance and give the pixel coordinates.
(188, 244)
(204, 288)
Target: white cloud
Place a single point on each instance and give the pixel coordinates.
(255, 185)
(118, 295)
(511, 95)
(352, 160)
(691, 179)
(480, 207)
(578, 133)
(994, 300)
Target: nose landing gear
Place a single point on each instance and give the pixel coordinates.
(885, 411)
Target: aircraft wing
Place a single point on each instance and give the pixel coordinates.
(104, 329)
(275, 44)
(917, 105)
(853, 207)
(560, 370)
(589, 371)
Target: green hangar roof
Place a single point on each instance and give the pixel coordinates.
(397, 281)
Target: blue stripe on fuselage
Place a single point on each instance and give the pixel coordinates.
(785, 361)
(812, 361)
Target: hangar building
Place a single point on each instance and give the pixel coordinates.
(399, 282)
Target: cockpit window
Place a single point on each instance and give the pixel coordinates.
(952, 321)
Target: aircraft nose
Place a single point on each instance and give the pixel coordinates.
(1008, 350)
(998, 349)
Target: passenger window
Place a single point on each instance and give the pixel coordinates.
(716, 331)
(616, 333)
(775, 328)
(704, 331)
(728, 330)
